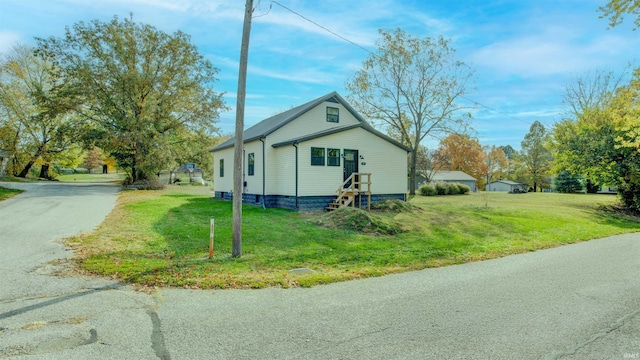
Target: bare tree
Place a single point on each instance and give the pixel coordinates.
(412, 87)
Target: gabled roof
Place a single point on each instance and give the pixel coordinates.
(508, 182)
(338, 129)
(442, 175)
(269, 125)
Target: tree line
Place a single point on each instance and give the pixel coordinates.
(412, 87)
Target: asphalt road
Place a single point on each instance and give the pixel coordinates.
(579, 301)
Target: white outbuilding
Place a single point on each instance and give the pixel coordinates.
(506, 185)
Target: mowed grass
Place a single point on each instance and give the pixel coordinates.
(91, 177)
(7, 193)
(162, 238)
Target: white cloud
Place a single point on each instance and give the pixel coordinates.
(7, 40)
(306, 75)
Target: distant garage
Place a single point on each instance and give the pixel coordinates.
(507, 186)
(456, 177)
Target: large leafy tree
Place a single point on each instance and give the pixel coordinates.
(588, 132)
(602, 139)
(460, 152)
(626, 117)
(142, 89)
(37, 122)
(511, 155)
(535, 155)
(412, 86)
(496, 163)
(566, 182)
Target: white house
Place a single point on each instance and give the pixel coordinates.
(506, 185)
(301, 158)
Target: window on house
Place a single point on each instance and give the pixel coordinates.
(221, 167)
(333, 157)
(317, 156)
(251, 163)
(332, 114)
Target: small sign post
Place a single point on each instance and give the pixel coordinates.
(211, 232)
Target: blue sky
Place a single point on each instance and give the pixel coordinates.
(523, 52)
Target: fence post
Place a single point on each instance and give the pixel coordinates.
(211, 232)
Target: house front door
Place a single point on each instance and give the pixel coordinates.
(350, 165)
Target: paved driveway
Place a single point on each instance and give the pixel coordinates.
(579, 301)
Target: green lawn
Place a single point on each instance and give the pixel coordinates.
(162, 238)
(16, 179)
(7, 193)
(90, 177)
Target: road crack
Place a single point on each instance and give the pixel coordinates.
(157, 338)
(59, 299)
(557, 354)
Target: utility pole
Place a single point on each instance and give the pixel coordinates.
(239, 141)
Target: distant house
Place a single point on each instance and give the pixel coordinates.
(303, 158)
(187, 173)
(4, 159)
(454, 177)
(506, 185)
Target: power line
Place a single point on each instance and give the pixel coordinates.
(494, 110)
(374, 54)
(322, 27)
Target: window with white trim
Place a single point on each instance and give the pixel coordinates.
(333, 114)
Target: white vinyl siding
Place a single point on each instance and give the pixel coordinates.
(285, 165)
(312, 121)
(386, 162)
(224, 183)
(254, 182)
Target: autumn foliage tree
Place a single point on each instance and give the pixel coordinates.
(460, 152)
(496, 163)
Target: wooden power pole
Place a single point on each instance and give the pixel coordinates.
(239, 142)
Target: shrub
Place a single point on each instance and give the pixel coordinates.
(441, 189)
(463, 189)
(152, 183)
(452, 189)
(427, 190)
(444, 189)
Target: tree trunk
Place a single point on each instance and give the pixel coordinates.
(412, 172)
(105, 169)
(44, 171)
(25, 171)
(134, 171)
